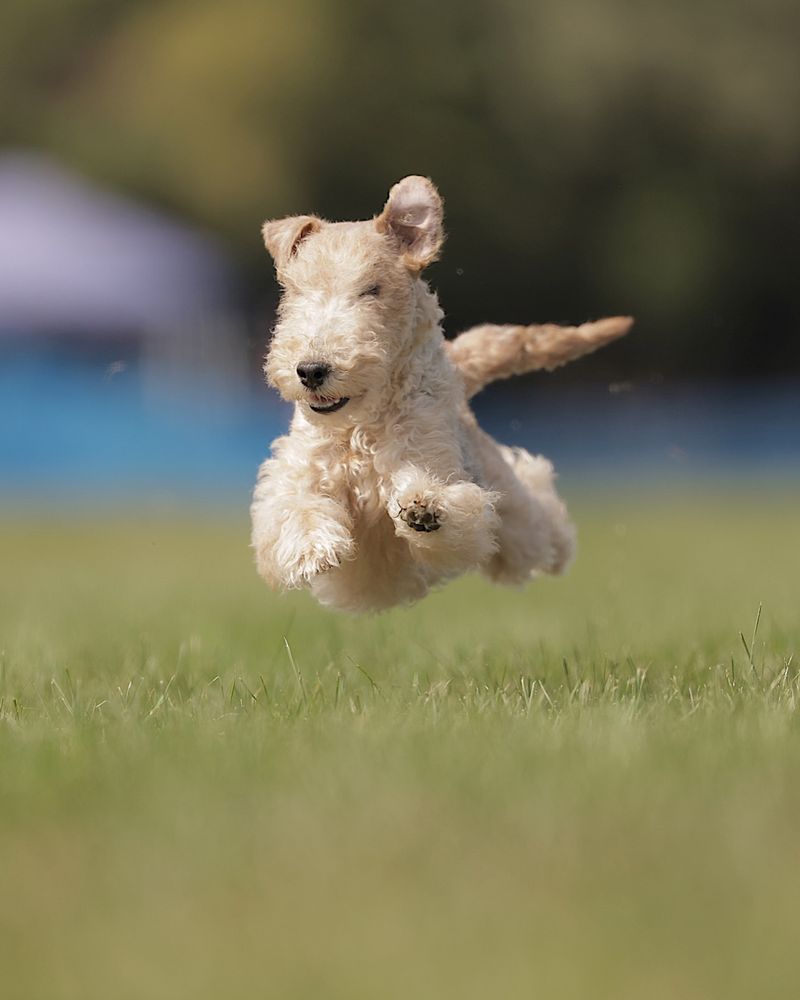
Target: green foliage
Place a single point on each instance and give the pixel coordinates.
(584, 788)
(596, 157)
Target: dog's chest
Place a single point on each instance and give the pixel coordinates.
(364, 486)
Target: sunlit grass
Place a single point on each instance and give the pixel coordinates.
(590, 787)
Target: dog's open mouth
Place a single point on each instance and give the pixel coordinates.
(329, 406)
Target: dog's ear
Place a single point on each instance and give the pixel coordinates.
(413, 215)
(282, 237)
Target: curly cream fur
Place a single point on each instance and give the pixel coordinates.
(396, 489)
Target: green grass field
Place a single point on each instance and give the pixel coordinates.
(589, 788)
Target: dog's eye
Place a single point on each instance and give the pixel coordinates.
(372, 291)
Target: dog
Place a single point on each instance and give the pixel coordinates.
(385, 485)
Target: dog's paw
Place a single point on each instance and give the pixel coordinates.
(420, 516)
(314, 561)
(317, 553)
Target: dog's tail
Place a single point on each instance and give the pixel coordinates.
(486, 353)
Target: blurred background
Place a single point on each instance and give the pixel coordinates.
(595, 158)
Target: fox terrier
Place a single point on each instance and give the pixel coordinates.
(385, 484)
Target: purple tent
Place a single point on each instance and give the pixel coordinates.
(75, 258)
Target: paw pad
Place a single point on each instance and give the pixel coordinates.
(420, 517)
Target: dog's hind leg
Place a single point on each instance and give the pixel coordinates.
(535, 534)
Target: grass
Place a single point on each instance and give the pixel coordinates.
(588, 788)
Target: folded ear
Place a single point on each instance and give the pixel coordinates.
(282, 237)
(413, 215)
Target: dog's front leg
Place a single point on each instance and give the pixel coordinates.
(297, 532)
(449, 526)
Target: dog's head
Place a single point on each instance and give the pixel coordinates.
(348, 302)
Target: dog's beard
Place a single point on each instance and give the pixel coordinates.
(349, 381)
(331, 391)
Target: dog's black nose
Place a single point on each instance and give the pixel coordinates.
(313, 374)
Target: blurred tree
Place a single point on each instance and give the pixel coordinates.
(595, 157)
